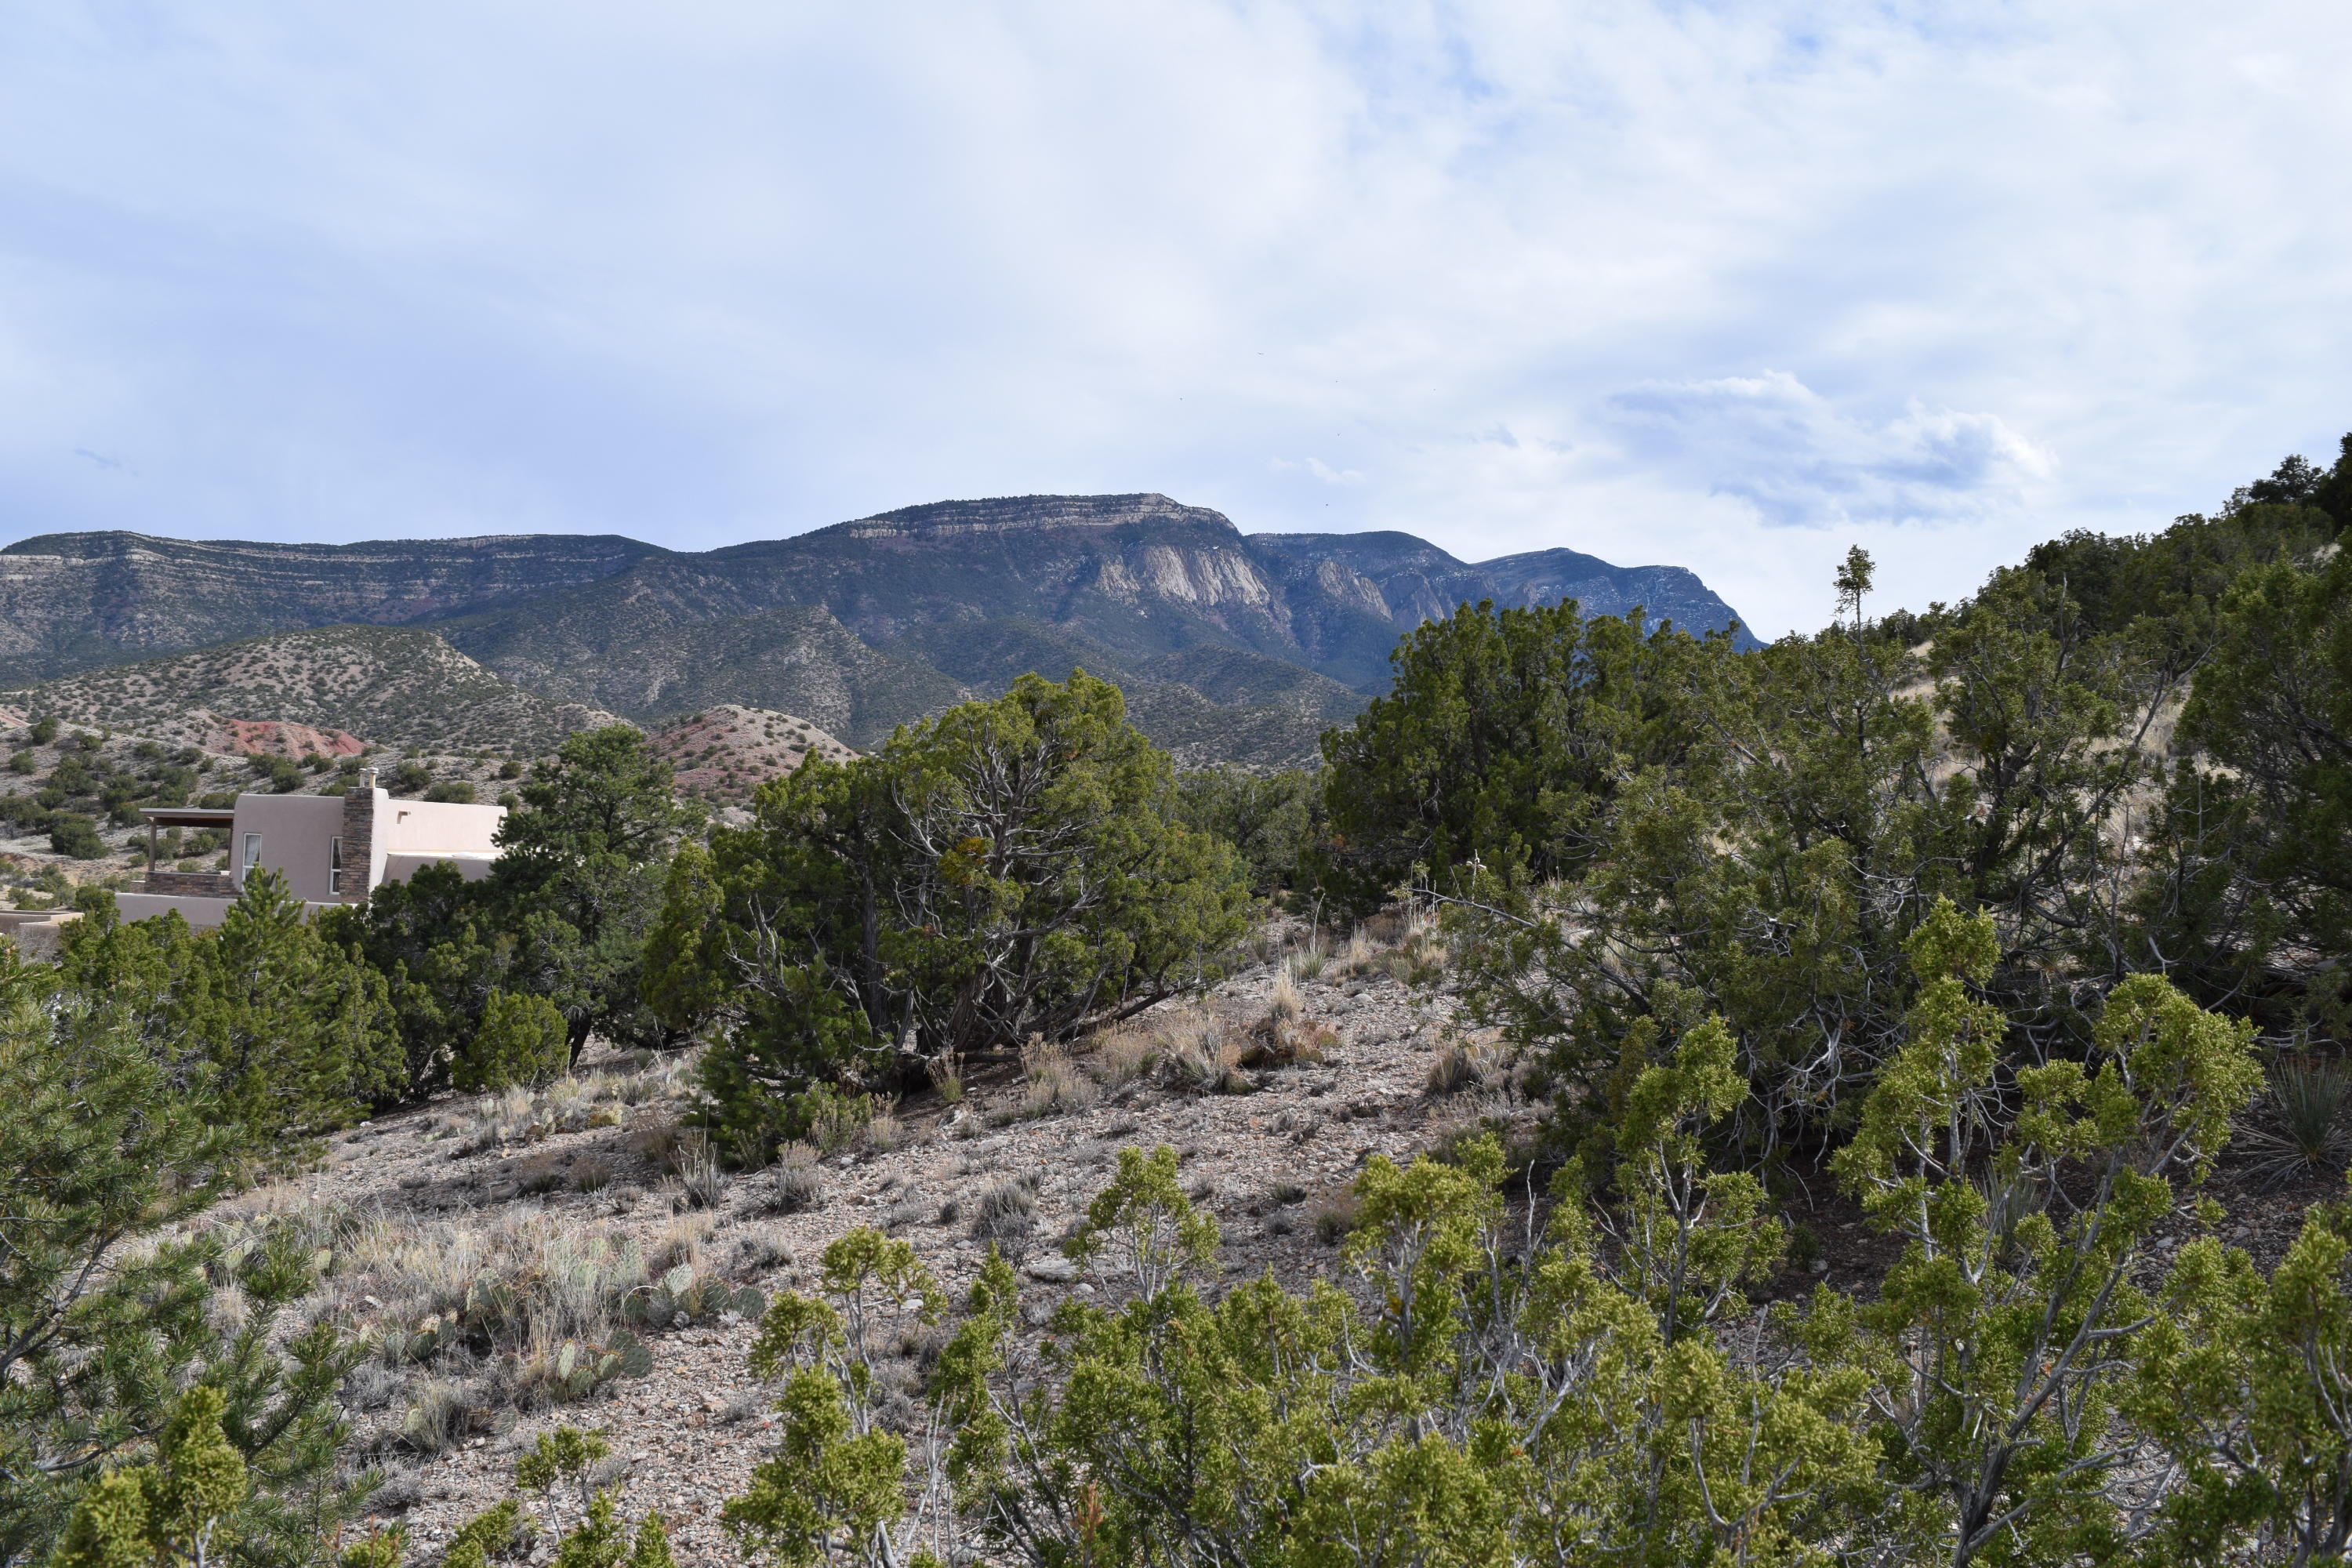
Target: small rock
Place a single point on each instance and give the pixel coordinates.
(1052, 1270)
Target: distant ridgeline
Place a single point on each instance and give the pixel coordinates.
(1231, 647)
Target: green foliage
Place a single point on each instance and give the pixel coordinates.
(1472, 1412)
(565, 1455)
(578, 879)
(1694, 1237)
(437, 942)
(381, 1548)
(75, 836)
(2003, 1337)
(1143, 1226)
(43, 730)
(282, 774)
(561, 921)
(2274, 704)
(1271, 818)
(1012, 868)
(487, 1535)
(180, 1507)
(298, 1033)
(1848, 782)
(521, 1040)
(834, 1489)
(686, 982)
(1500, 742)
(111, 1136)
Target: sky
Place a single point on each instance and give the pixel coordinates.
(1728, 285)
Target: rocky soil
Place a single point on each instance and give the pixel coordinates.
(723, 753)
(1269, 1162)
(423, 1199)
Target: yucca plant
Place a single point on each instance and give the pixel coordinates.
(2303, 1133)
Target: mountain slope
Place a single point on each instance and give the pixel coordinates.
(650, 648)
(79, 600)
(394, 686)
(861, 626)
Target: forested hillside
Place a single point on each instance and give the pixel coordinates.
(1879, 1097)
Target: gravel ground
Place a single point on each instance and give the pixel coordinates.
(686, 1436)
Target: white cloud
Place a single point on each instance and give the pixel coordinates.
(1774, 443)
(1655, 280)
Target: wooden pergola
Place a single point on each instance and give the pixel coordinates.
(197, 816)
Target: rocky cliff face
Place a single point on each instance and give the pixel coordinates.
(77, 601)
(859, 626)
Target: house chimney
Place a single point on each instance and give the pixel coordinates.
(356, 870)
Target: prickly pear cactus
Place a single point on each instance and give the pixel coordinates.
(635, 1359)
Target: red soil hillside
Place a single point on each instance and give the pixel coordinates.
(267, 737)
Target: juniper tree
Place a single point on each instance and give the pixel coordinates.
(1011, 868)
(105, 1313)
(2004, 1336)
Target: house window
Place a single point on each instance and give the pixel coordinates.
(334, 866)
(252, 855)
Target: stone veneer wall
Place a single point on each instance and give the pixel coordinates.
(190, 884)
(359, 839)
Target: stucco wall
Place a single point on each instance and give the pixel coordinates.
(298, 833)
(201, 914)
(437, 828)
(399, 868)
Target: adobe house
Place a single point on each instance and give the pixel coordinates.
(331, 850)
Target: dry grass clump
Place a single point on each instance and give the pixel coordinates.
(696, 1161)
(1286, 1037)
(1307, 961)
(521, 1115)
(1198, 1051)
(1006, 1210)
(796, 1185)
(1334, 1217)
(1053, 1085)
(1122, 1054)
(435, 1417)
(946, 1074)
(839, 1121)
(1457, 1068)
(1355, 955)
(680, 1243)
(656, 1143)
(884, 1133)
(538, 1298)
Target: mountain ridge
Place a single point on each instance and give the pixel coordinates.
(860, 625)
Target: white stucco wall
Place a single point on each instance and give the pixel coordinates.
(399, 868)
(437, 828)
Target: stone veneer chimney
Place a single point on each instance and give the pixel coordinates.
(359, 840)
